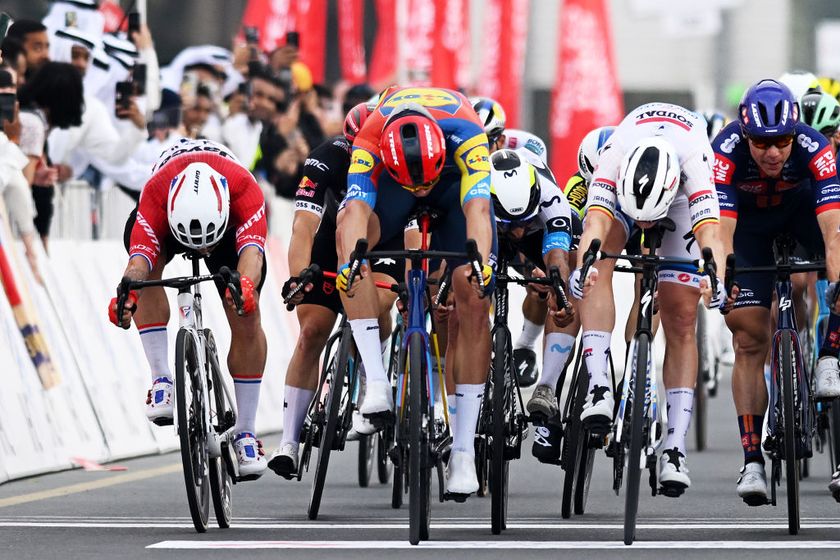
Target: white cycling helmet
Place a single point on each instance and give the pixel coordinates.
(198, 206)
(590, 150)
(514, 187)
(648, 179)
(491, 115)
(798, 82)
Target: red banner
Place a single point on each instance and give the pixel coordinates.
(351, 44)
(419, 41)
(586, 93)
(450, 52)
(505, 31)
(385, 57)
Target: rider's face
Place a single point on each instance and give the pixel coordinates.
(770, 157)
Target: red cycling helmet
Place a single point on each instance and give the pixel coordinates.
(412, 147)
(356, 119)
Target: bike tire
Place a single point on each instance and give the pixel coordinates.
(367, 459)
(498, 464)
(703, 375)
(221, 483)
(834, 433)
(332, 406)
(384, 467)
(418, 469)
(634, 471)
(191, 429)
(586, 453)
(574, 433)
(786, 361)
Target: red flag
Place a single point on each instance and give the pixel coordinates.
(351, 40)
(450, 53)
(385, 57)
(504, 54)
(586, 93)
(113, 15)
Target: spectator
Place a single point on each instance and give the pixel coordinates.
(197, 113)
(14, 57)
(241, 132)
(35, 40)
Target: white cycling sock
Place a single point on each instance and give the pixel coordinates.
(596, 352)
(468, 399)
(529, 335)
(680, 405)
(366, 335)
(558, 348)
(156, 346)
(452, 408)
(295, 404)
(246, 387)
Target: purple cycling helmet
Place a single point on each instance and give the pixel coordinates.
(768, 109)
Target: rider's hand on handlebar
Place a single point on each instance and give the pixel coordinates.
(342, 278)
(291, 285)
(539, 289)
(128, 310)
(589, 281)
(249, 296)
(480, 288)
(712, 299)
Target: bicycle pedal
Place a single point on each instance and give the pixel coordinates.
(380, 419)
(394, 455)
(757, 501)
(248, 477)
(163, 421)
(598, 426)
(672, 490)
(837, 496)
(457, 498)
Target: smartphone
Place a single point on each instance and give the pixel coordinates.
(70, 19)
(7, 107)
(293, 39)
(5, 23)
(123, 94)
(138, 77)
(133, 23)
(252, 35)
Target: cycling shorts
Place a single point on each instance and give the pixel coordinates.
(530, 246)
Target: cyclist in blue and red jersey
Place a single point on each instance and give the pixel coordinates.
(774, 175)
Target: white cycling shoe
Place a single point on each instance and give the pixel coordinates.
(159, 406)
(284, 460)
(599, 405)
(461, 479)
(752, 485)
(361, 427)
(827, 378)
(250, 455)
(378, 399)
(673, 474)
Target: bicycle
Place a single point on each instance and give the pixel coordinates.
(791, 417)
(640, 430)
(708, 376)
(418, 447)
(205, 410)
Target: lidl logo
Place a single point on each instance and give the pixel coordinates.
(478, 159)
(433, 98)
(361, 161)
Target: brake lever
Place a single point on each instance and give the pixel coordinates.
(356, 261)
(231, 279)
(589, 259)
(307, 276)
(475, 263)
(123, 290)
(558, 286)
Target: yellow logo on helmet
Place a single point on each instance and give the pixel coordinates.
(478, 159)
(361, 161)
(427, 97)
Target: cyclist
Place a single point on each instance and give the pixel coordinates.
(322, 187)
(201, 199)
(430, 141)
(657, 164)
(773, 174)
(715, 121)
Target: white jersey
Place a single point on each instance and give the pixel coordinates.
(516, 139)
(686, 131)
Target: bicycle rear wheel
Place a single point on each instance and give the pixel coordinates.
(418, 468)
(335, 379)
(834, 433)
(786, 362)
(704, 372)
(634, 457)
(573, 439)
(192, 432)
(498, 464)
(222, 418)
(367, 457)
(384, 467)
(586, 453)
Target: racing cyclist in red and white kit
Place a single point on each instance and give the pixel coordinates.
(201, 199)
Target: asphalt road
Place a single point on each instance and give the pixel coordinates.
(142, 513)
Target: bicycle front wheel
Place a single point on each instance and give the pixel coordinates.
(636, 432)
(192, 429)
(498, 463)
(222, 418)
(367, 453)
(573, 439)
(418, 468)
(787, 361)
(704, 372)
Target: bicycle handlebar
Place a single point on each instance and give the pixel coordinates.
(592, 254)
(308, 275)
(559, 288)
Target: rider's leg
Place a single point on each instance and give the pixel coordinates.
(524, 356)
(246, 363)
(151, 319)
(453, 326)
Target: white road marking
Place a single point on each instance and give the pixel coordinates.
(544, 545)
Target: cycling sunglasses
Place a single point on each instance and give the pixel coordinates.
(423, 186)
(764, 143)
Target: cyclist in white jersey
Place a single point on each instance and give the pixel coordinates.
(657, 164)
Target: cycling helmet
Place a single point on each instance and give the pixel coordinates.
(590, 150)
(412, 147)
(768, 109)
(715, 121)
(821, 111)
(830, 86)
(491, 115)
(798, 82)
(198, 206)
(355, 119)
(648, 179)
(514, 187)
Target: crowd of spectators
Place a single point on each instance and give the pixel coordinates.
(84, 105)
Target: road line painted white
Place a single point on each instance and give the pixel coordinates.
(87, 486)
(545, 545)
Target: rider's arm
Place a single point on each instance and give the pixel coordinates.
(596, 226)
(247, 215)
(473, 161)
(150, 229)
(250, 263)
(823, 168)
(351, 226)
(703, 204)
(304, 227)
(477, 213)
(359, 202)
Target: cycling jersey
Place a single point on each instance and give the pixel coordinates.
(515, 139)
(324, 181)
(576, 191)
(466, 144)
(741, 184)
(247, 205)
(686, 131)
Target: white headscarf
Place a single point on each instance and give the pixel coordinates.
(88, 18)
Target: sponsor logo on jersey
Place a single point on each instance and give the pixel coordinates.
(683, 277)
(478, 159)
(665, 116)
(603, 185)
(577, 194)
(729, 144)
(558, 224)
(699, 197)
(317, 164)
(808, 143)
(753, 188)
(824, 165)
(535, 146)
(427, 97)
(256, 217)
(360, 161)
(306, 187)
(723, 169)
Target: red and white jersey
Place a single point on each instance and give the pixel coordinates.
(247, 204)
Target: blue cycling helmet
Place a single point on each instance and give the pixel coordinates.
(768, 109)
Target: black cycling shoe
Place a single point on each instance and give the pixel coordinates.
(547, 443)
(525, 363)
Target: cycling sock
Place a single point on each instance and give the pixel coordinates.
(246, 387)
(680, 404)
(529, 335)
(596, 352)
(452, 408)
(468, 398)
(366, 335)
(295, 404)
(831, 341)
(750, 426)
(155, 345)
(558, 348)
